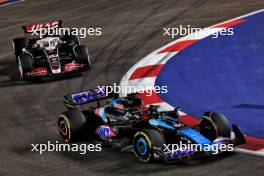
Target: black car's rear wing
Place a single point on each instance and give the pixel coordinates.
(30, 28)
(87, 96)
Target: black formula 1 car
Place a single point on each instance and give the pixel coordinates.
(123, 124)
(50, 55)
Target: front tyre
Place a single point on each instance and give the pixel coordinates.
(143, 146)
(25, 64)
(19, 44)
(144, 142)
(214, 125)
(82, 56)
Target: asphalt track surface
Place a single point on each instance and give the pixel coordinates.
(131, 30)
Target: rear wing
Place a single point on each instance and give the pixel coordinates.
(30, 28)
(88, 96)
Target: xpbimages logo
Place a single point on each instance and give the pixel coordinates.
(190, 148)
(81, 32)
(186, 30)
(127, 89)
(57, 147)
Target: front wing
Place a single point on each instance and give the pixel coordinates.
(67, 68)
(236, 139)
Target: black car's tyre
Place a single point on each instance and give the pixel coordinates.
(144, 141)
(72, 125)
(81, 55)
(19, 44)
(25, 64)
(214, 125)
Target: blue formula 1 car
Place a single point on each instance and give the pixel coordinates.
(125, 125)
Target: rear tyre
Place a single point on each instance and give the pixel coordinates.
(82, 56)
(25, 64)
(144, 141)
(19, 44)
(72, 125)
(214, 125)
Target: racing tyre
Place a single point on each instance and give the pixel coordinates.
(214, 125)
(144, 141)
(19, 44)
(72, 125)
(25, 64)
(82, 56)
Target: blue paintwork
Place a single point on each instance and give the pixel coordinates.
(224, 75)
(195, 136)
(142, 151)
(102, 114)
(103, 131)
(169, 118)
(87, 96)
(160, 123)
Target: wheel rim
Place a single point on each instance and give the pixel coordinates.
(64, 129)
(141, 146)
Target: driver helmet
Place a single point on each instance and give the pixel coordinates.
(117, 104)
